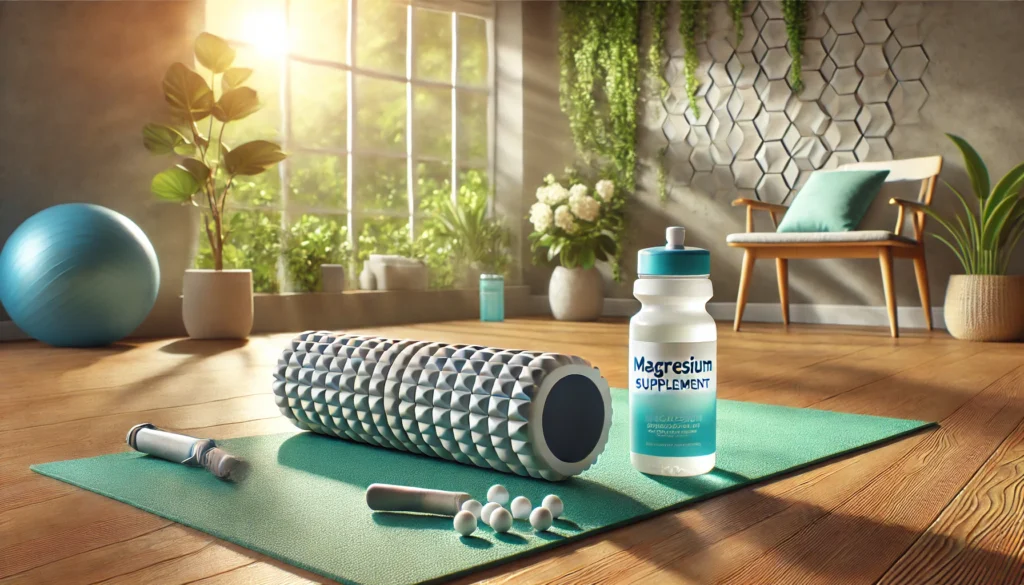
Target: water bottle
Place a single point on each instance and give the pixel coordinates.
(492, 297)
(673, 346)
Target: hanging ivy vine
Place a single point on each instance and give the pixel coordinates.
(656, 49)
(736, 10)
(693, 16)
(794, 11)
(599, 89)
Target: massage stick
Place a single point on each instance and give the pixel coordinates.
(187, 450)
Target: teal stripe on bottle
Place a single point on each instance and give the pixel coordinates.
(673, 424)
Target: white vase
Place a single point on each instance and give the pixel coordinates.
(576, 294)
(985, 307)
(217, 304)
(332, 278)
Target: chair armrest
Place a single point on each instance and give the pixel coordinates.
(918, 211)
(752, 204)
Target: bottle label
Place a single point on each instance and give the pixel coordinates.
(672, 398)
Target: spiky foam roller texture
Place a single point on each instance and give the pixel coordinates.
(535, 414)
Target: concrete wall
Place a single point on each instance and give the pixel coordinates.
(77, 82)
(971, 47)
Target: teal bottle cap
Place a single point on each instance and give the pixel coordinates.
(674, 259)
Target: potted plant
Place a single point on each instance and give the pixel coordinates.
(575, 228)
(984, 303)
(217, 303)
(479, 243)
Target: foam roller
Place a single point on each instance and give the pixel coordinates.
(540, 415)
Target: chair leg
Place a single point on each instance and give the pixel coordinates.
(921, 270)
(741, 297)
(885, 259)
(782, 269)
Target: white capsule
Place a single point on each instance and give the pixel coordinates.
(521, 508)
(488, 509)
(554, 504)
(540, 519)
(497, 494)
(474, 507)
(465, 523)
(501, 520)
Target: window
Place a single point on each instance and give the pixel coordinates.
(384, 107)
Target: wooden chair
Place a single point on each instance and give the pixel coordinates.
(880, 244)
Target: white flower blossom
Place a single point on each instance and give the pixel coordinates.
(577, 189)
(552, 194)
(540, 216)
(549, 179)
(564, 219)
(605, 188)
(583, 207)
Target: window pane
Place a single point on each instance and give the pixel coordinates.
(474, 54)
(432, 45)
(254, 243)
(380, 120)
(433, 181)
(317, 180)
(314, 240)
(472, 114)
(381, 36)
(259, 191)
(380, 183)
(318, 106)
(318, 28)
(432, 116)
(383, 235)
(258, 22)
(265, 123)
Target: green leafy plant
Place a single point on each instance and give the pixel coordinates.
(205, 176)
(656, 50)
(693, 16)
(985, 237)
(794, 12)
(736, 11)
(572, 225)
(475, 238)
(255, 244)
(311, 242)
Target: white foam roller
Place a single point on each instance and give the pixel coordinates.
(535, 414)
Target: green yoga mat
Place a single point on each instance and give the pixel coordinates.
(303, 501)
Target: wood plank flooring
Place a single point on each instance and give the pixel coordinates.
(943, 506)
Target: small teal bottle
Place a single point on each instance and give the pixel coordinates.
(492, 297)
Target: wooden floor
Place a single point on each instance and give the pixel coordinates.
(942, 506)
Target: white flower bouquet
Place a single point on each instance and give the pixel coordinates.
(574, 225)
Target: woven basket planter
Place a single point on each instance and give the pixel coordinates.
(985, 308)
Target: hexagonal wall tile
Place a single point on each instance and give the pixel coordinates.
(817, 24)
(743, 70)
(829, 40)
(906, 102)
(758, 16)
(771, 125)
(747, 174)
(873, 149)
(906, 13)
(814, 84)
(909, 35)
(878, 10)
(759, 49)
(841, 14)
(719, 75)
(719, 49)
(839, 158)
(746, 44)
(869, 29)
(772, 157)
(652, 113)
(720, 153)
(840, 107)
(910, 64)
(846, 80)
(774, 34)
(704, 182)
(724, 180)
(842, 135)
(773, 8)
(772, 188)
(761, 82)
(698, 137)
(679, 168)
(847, 50)
(743, 104)
(676, 100)
(872, 61)
(717, 96)
(705, 113)
(874, 120)
(807, 117)
(813, 53)
(744, 140)
(891, 49)
(701, 159)
(775, 95)
(828, 67)
(810, 153)
(791, 174)
(719, 126)
(875, 89)
(790, 138)
(776, 63)
(675, 128)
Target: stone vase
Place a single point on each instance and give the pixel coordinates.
(985, 307)
(576, 294)
(217, 304)
(332, 278)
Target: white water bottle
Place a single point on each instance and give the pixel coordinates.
(672, 361)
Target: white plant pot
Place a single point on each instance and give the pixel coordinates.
(332, 278)
(985, 307)
(576, 294)
(217, 304)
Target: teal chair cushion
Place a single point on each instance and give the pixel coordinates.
(833, 201)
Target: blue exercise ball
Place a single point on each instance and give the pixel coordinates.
(78, 275)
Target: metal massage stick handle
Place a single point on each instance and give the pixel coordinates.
(146, 438)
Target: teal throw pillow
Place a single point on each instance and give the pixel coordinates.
(833, 201)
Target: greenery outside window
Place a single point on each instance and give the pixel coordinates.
(386, 108)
